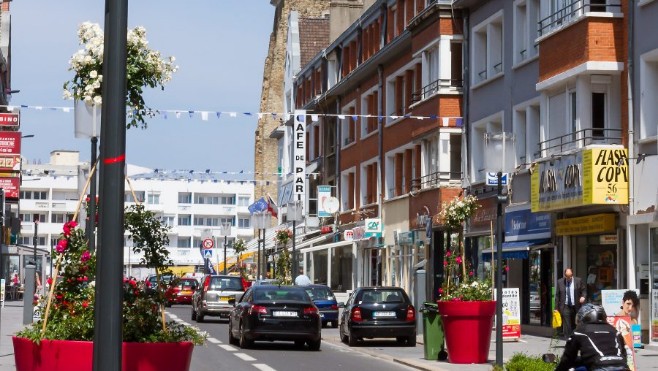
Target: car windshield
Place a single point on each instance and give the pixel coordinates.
(226, 283)
(382, 296)
(320, 293)
(186, 284)
(280, 295)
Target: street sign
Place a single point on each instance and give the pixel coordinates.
(492, 179)
(208, 243)
(207, 254)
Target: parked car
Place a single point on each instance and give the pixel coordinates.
(275, 313)
(150, 282)
(180, 291)
(378, 312)
(266, 281)
(325, 300)
(212, 299)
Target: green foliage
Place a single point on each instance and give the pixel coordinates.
(283, 267)
(524, 362)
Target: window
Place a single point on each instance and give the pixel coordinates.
(243, 200)
(488, 48)
(399, 171)
(600, 108)
(526, 18)
(40, 217)
(649, 97)
(399, 90)
(370, 108)
(244, 223)
(347, 189)
(58, 218)
(526, 130)
(34, 195)
(23, 240)
(184, 197)
(63, 195)
(348, 124)
(153, 198)
(128, 197)
(185, 219)
(227, 200)
(491, 124)
(369, 182)
(168, 220)
(206, 221)
(184, 241)
(205, 199)
(227, 219)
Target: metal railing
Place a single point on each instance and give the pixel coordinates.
(580, 139)
(574, 10)
(434, 87)
(435, 179)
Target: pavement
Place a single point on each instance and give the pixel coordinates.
(11, 321)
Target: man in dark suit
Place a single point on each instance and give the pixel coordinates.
(569, 296)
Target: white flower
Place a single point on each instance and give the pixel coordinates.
(93, 74)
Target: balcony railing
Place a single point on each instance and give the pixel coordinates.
(434, 87)
(574, 10)
(580, 139)
(435, 179)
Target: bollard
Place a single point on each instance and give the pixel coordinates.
(28, 294)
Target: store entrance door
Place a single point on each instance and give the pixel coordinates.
(540, 283)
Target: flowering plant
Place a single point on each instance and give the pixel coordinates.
(69, 313)
(144, 68)
(282, 236)
(455, 212)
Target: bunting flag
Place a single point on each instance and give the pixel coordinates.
(205, 115)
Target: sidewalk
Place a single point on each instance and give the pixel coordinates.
(645, 359)
(11, 322)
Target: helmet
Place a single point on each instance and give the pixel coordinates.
(590, 313)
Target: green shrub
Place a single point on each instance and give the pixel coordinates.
(523, 362)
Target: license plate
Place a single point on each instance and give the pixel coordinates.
(225, 298)
(383, 314)
(282, 313)
(321, 315)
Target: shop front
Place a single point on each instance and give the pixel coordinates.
(480, 236)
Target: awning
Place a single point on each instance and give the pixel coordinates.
(515, 249)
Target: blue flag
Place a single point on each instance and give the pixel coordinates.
(258, 206)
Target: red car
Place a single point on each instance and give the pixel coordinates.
(181, 290)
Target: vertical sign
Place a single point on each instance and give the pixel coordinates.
(324, 194)
(511, 314)
(299, 153)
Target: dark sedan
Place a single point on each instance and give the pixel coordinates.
(325, 300)
(378, 312)
(275, 313)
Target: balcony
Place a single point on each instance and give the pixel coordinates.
(435, 87)
(580, 139)
(573, 11)
(435, 180)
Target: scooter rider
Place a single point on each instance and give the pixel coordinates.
(601, 347)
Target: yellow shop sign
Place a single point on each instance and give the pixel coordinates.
(595, 176)
(590, 224)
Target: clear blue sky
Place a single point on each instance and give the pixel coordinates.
(220, 47)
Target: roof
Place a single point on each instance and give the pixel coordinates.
(313, 37)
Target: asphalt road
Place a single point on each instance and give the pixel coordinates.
(218, 354)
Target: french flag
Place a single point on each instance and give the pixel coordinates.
(271, 206)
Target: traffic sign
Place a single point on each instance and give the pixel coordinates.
(208, 244)
(207, 254)
(492, 179)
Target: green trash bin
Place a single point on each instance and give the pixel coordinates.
(432, 331)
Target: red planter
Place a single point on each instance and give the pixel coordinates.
(56, 355)
(467, 326)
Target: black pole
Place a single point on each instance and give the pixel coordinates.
(499, 273)
(92, 198)
(225, 243)
(36, 229)
(294, 251)
(108, 333)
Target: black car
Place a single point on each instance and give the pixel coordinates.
(378, 312)
(275, 313)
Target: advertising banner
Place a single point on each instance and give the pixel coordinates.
(654, 316)
(623, 325)
(373, 227)
(10, 142)
(10, 162)
(9, 120)
(324, 194)
(511, 314)
(11, 186)
(299, 153)
(612, 300)
(523, 225)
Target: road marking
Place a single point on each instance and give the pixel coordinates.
(214, 341)
(244, 357)
(263, 367)
(227, 347)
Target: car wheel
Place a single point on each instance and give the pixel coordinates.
(193, 313)
(401, 339)
(334, 324)
(231, 339)
(411, 341)
(244, 342)
(351, 340)
(314, 345)
(324, 324)
(299, 343)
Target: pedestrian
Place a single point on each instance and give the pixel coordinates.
(570, 295)
(302, 279)
(15, 281)
(594, 344)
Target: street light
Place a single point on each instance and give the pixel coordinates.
(225, 230)
(499, 157)
(294, 213)
(36, 228)
(260, 220)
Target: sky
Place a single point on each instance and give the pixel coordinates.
(220, 48)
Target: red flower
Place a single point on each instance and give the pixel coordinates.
(445, 263)
(68, 226)
(459, 260)
(470, 273)
(85, 304)
(448, 254)
(506, 268)
(61, 246)
(440, 291)
(49, 281)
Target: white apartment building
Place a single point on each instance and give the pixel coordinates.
(194, 204)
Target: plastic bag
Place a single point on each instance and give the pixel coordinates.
(557, 319)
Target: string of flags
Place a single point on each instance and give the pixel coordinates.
(285, 116)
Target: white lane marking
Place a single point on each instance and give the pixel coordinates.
(263, 367)
(244, 357)
(214, 341)
(227, 347)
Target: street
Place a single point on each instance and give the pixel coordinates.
(217, 354)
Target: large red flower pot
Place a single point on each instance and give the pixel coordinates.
(56, 355)
(467, 327)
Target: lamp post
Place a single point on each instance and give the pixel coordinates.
(260, 221)
(499, 158)
(36, 229)
(225, 230)
(294, 213)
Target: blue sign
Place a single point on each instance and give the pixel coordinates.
(492, 179)
(523, 225)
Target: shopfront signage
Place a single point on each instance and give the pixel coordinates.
(348, 235)
(373, 227)
(10, 142)
(9, 119)
(10, 162)
(11, 186)
(590, 224)
(406, 238)
(608, 239)
(591, 177)
(523, 225)
(358, 233)
(299, 153)
(484, 215)
(324, 199)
